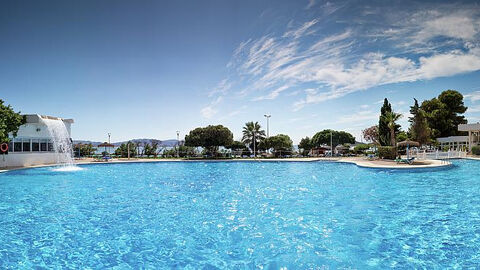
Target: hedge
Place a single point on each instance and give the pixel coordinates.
(387, 152)
(476, 150)
(361, 148)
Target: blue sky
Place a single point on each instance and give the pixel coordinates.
(144, 69)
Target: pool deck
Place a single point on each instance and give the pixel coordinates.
(390, 164)
(359, 161)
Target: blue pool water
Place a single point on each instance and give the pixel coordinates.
(240, 215)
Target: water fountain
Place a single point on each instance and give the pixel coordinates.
(62, 144)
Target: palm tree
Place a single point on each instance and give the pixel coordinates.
(391, 119)
(252, 135)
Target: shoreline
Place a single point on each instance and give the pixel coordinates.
(358, 161)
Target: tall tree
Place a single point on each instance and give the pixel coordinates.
(306, 145)
(210, 138)
(237, 146)
(391, 118)
(338, 137)
(444, 113)
(253, 134)
(10, 121)
(383, 130)
(419, 129)
(280, 143)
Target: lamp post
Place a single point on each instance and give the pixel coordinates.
(178, 143)
(268, 124)
(109, 134)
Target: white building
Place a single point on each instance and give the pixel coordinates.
(33, 144)
(462, 142)
(457, 143)
(473, 134)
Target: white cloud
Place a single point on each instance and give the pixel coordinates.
(459, 25)
(474, 96)
(233, 113)
(311, 3)
(208, 112)
(358, 117)
(448, 64)
(272, 95)
(303, 30)
(221, 89)
(376, 69)
(334, 65)
(431, 29)
(473, 109)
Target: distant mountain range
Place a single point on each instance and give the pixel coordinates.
(165, 143)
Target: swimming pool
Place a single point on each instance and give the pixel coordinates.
(240, 215)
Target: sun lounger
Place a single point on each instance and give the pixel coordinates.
(405, 160)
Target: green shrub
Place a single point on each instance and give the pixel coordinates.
(361, 148)
(387, 152)
(476, 150)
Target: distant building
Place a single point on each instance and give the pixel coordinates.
(341, 149)
(33, 144)
(319, 151)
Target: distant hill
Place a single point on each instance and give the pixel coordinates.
(165, 143)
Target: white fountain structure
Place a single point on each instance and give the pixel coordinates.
(62, 144)
(41, 140)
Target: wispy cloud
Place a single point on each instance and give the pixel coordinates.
(311, 3)
(221, 89)
(432, 29)
(273, 94)
(351, 59)
(473, 109)
(210, 110)
(304, 30)
(359, 117)
(474, 96)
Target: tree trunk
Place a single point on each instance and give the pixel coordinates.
(392, 137)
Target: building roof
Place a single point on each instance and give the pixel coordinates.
(452, 139)
(469, 127)
(35, 118)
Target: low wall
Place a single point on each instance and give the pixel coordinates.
(26, 159)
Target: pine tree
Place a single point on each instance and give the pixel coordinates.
(419, 129)
(383, 130)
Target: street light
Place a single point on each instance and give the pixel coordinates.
(268, 126)
(109, 134)
(178, 143)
